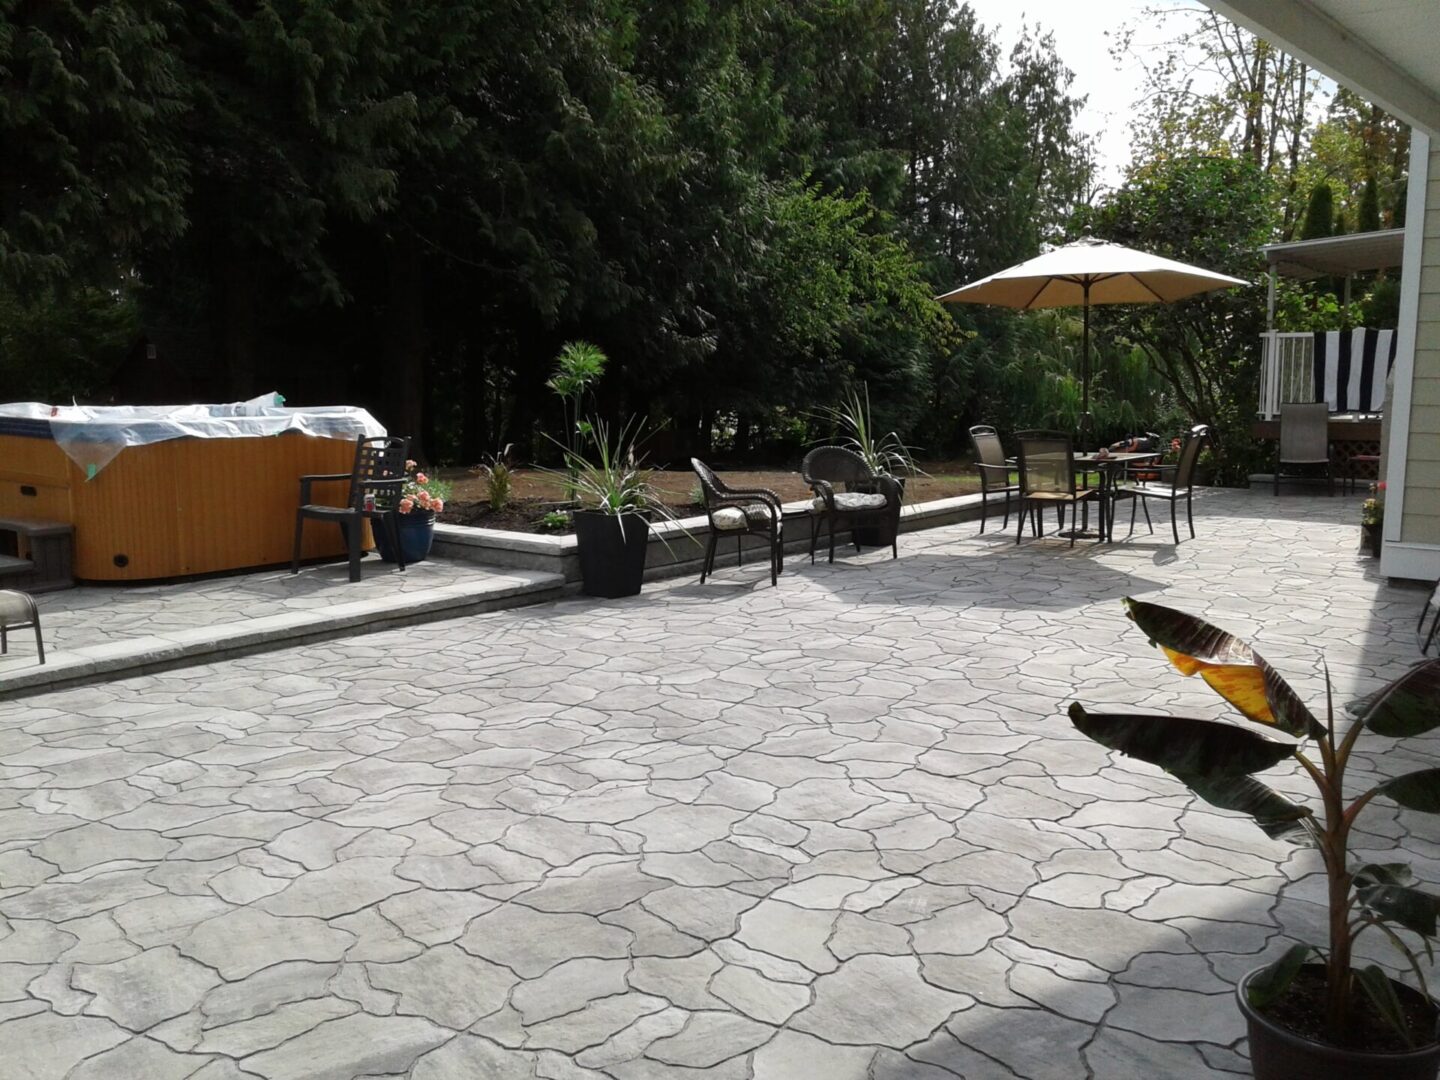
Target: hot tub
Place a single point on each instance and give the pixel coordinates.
(172, 492)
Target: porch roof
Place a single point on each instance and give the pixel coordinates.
(1337, 256)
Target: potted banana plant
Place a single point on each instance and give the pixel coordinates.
(1312, 1012)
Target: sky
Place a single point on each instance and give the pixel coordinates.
(1084, 31)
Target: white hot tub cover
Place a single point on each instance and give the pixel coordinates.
(91, 435)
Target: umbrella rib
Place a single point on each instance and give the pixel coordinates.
(1144, 285)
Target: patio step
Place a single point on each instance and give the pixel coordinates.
(122, 658)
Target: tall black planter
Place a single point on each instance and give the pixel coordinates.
(1279, 1054)
(612, 552)
(881, 535)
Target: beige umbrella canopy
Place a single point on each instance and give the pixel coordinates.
(1091, 272)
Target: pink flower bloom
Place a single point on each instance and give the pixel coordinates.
(406, 505)
(438, 505)
(410, 465)
(1380, 486)
(421, 478)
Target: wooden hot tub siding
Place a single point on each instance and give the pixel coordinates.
(180, 507)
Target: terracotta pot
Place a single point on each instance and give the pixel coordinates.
(1277, 1053)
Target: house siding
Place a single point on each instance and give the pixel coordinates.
(1421, 521)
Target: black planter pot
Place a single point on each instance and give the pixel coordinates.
(612, 552)
(1370, 540)
(877, 536)
(1279, 1054)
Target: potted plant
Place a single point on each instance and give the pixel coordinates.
(1311, 1013)
(885, 453)
(421, 498)
(616, 502)
(1372, 520)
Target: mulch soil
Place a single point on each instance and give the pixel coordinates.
(1301, 1009)
(534, 492)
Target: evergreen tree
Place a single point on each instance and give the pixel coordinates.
(1319, 214)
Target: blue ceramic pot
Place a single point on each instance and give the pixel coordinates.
(417, 532)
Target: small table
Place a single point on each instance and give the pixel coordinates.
(1107, 466)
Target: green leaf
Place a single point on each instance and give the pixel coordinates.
(1408, 706)
(1415, 791)
(1381, 991)
(1214, 760)
(1267, 985)
(1411, 908)
(1394, 873)
(1231, 667)
(1182, 745)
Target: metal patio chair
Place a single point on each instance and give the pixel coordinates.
(1305, 442)
(18, 612)
(1168, 482)
(1047, 478)
(994, 470)
(379, 471)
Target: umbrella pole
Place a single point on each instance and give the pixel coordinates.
(1085, 426)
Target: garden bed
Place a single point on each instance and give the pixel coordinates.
(535, 492)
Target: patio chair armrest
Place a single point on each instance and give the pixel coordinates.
(824, 490)
(890, 488)
(1003, 469)
(306, 481)
(764, 495)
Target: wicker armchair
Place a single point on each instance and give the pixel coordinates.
(1304, 442)
(740, 512)
(868, 498)
(379, 470)
(994, 470)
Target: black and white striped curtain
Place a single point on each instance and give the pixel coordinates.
(1350, 368)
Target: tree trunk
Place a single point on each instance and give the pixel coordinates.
(403, 345)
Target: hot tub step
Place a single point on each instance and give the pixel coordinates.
(43, 554)
(10, 566)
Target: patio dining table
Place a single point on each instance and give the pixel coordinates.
(1107, 468)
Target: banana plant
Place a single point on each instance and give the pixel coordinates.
(1218, 762)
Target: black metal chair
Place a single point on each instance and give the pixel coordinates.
(1432, 601)
(1171, 483)
(994, 469)
(1305, 442)
(1047, 478)
(740, 512)
(870, 499)
(379, 474)
(18, 612)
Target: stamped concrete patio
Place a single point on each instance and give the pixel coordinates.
(838, 829)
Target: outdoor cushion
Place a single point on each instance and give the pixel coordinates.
(733, 517)
(851, 500)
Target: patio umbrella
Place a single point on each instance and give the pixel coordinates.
(1089, 272)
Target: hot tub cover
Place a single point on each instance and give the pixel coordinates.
(91, 435)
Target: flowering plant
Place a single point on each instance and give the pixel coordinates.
(421, 492)
(1372, 510)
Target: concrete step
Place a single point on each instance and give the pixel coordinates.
(20, 675)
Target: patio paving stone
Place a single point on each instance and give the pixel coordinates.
(837, 829)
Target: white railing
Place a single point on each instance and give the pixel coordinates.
(1287, 370)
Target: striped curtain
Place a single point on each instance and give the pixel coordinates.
(1350, 368)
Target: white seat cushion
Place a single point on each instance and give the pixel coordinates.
(851, 500)
(733, 517)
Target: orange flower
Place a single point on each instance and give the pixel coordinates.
(406, 505)
(421, 478)
(438, 505)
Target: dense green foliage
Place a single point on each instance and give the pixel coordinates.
(747, 205)
(410, 206)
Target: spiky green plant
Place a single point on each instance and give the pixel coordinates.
(884, 453)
